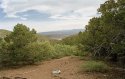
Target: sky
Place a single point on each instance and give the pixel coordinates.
(48, 15)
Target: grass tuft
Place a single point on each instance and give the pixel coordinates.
(93, 66)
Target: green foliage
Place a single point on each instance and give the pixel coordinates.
(64, 50)
(93, 66)
(4, 54)
(104, 36)
(29, 54)
(72, 40)
(13, 49)
(1, 41)
(38, 51)
(21, 47)
(22, 36)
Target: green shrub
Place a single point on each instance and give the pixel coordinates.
(29, 54)
(5, 59)
(64, 50)
(39, 51)
(93, 66)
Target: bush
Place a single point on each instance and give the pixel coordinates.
(93, 66)
(34, 52)
(39, 51)
(4, 54)
(64, 50)
(29, 54)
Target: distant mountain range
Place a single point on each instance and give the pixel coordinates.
(48, 35)
(61, 34)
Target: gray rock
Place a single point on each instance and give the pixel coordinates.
(56, 72)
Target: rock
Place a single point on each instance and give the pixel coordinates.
(56, 72)
(104, 75)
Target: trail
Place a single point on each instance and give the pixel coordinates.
(69, 67)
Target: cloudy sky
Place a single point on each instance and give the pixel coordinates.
(48, 15)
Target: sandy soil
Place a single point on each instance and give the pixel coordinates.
(69, 67)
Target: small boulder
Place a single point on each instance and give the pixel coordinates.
(56, 72)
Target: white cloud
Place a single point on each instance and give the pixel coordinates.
(69, 14)
(48, 25)
(52, 7)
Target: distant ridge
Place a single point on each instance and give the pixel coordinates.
(46, 35)
(4, 32)
(61, 34)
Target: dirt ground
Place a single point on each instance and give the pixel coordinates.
(69, 67)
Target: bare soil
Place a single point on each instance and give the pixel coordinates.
(69, 66)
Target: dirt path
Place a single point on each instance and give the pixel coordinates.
(69, 67)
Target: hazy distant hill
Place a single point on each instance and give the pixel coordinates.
(3, 32)
(44, 35)
(61, 34)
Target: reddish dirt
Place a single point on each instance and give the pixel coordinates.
(69, 67)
